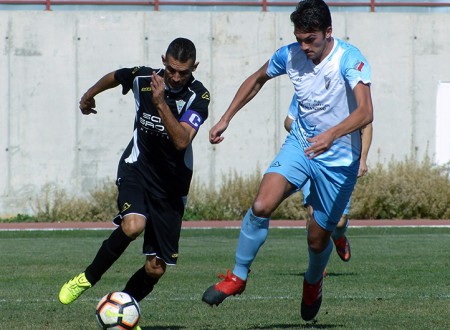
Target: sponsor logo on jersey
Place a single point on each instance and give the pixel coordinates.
(314, 105)
(135, 69)
(146, 89)
(154, 123)
(275, 164)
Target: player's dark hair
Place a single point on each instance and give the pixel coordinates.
(311, 15)
(182, 49)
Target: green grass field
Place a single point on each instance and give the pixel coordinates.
(398, 278)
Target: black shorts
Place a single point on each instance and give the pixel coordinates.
(163, 215)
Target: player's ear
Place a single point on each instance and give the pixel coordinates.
(163, 58)
(328, 32)
(194, 67)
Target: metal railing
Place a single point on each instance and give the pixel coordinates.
(263, 4)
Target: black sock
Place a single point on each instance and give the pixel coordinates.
(111, 249)
(140, 285)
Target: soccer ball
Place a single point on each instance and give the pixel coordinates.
(118, 310)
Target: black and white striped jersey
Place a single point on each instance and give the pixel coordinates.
(165, 171)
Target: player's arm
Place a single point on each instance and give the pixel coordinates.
(87, 102)
(366, 141)
(292, 113)
(360, 117)
(181, 134)
(249, 88)
(287, 123)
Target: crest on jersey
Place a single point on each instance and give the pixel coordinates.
(180, 105)
(327, 81)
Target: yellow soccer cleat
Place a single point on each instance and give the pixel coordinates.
(74, 288)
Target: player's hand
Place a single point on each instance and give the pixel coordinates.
(87, 105)
(319, 144)
(362, 168)
(215, 133)
(158, 87)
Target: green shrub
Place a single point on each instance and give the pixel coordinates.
(54, 204)
(232, 200)
(402, 190)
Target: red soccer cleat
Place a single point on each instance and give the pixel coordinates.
(311, 299)
(343, 248)
(231, 285)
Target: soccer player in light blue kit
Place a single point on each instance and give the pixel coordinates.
(331, 80)
(338, 236)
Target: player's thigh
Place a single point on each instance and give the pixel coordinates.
(133, 210)
(330, 192)
(163, 229)
(288, 172)
(274, 188)
(318, 237)
(291, 163)
(131, 198)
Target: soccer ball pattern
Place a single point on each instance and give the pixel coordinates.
(118, 310)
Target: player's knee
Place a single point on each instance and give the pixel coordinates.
(133, 225)
(155, 268)
(318, 240)
(261, 209)
(316, 246)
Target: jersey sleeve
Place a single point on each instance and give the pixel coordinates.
(196, 114)
(355, 68)
(126, 76)
(278, 62)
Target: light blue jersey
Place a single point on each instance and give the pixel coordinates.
(323, 98)
(324, 95)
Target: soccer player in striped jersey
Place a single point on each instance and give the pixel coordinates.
(155, 169)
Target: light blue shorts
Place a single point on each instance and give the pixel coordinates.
(305, 191)
(331, 187)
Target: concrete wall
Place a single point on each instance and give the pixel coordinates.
(48, 60)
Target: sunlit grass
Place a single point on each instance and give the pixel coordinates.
(397, 279)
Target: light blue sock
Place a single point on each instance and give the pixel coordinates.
(253, 234)
(317, 264)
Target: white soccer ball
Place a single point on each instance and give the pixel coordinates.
(118, 310)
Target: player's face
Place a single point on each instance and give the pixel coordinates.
(177, 74)
(316, 45)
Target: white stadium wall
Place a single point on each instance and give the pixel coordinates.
(48, 59)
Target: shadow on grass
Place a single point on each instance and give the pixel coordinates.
(334, 274)
(329, 274)
(311, 325)
(157, 327)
